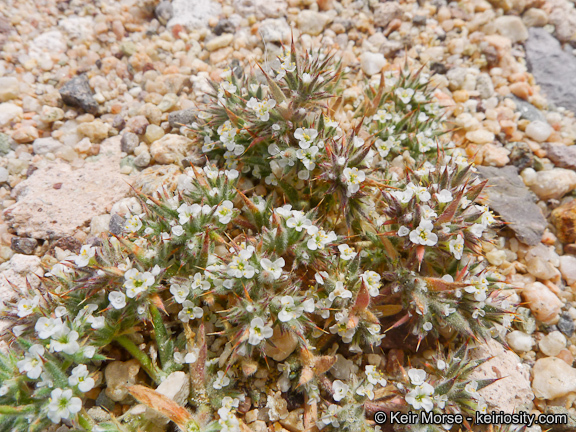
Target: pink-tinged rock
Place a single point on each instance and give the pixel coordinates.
(543, 303)
(513, 390)
(56, 199)
(553, 378)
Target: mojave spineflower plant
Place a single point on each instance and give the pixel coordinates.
(314, 220)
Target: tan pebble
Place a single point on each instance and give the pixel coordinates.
(521, 89)
(543, 303)
(460, 96)
(567, 356)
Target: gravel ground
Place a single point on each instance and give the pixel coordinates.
(92, 95)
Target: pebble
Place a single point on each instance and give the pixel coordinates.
(552, 343)
(3, 175)
(9, 88)
(372, 63)
(153, 133)
(219, 42)
(164, 12)
(118, 376)
(553, 378)
(23, 245)
(311, 22)
(554, 183)
(535, 17)
(96, 130)
(566, 325)
(183, 117)
(511, 27)
(480, 136)
(384, 13)
(129, 142)
(9, 112)
(77, 93)
(42, 146)
(543, 303)
(568, 268)
(170, 149)
(142, 160)
(281, 344)
(51, 114)
(539, 131)
(520, 341)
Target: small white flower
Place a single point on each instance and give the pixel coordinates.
(222, 380)
(444, 196)
(423, 235)
(83, 258)
(457, 246)
(133, 224)
(353, 177)
(366, 390)
(224, 212)
(177, 230)
(403, 231)
(190, 311)
(305, 136)
(477, 230)
(32, 362)
(117, 299)
(65, 340)
(272, 270)
(372, 281)
(340, 390)
(261, 107)
(441, 364)
(420, 397)
(199, 282)
(79, 377)
(306, 78)
(298, 221)
(258, 331)
(192, 356)
(330, 416)
(357, 142)
(374, 376)
(137, 282)
(62, 405)
(97, 323)
(404, 94)
(46, 327)
(346, 252)
(428, 213)
(289, 310)
(340, 291)
(417, 376)
(26, 306)
(180, 292)
(427, 326)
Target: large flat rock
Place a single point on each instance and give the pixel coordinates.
(507, 195)
(553, 68)
(56, 199)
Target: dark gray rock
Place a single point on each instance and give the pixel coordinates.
(23, 245)
(521, 155)
(566, 325)
(182, 117)
(562, 156)
(527, 110)
(77, 92)
(164, 12)
(116, 225)
(129, 142)
(553, 68)
(508, 196)
(224, 26)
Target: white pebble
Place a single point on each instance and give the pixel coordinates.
(539, 131)
(520, 341)
(552, 343)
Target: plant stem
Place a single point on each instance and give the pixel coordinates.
(139, 355)
(162, 338)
